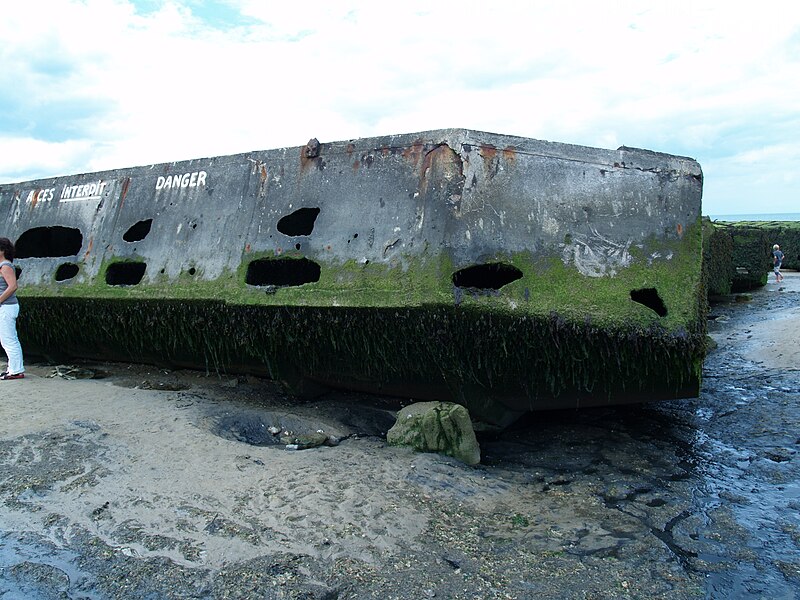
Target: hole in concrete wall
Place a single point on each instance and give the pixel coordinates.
(125, 273)
(650, 298)
(300, 222)
(192, 271)
(488, 276)
(138, 231)
(66, 271)
(282, 271)
(49, 242)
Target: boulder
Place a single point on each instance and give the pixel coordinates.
(441, 427)
(304, 441)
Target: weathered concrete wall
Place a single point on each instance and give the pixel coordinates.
(741, 252)
(458, 225)
(784, 233)
(751, 258)
(718, 268)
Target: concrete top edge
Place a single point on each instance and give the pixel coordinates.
(622, 157)
(461, 140)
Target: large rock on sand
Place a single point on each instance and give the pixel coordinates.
(441, 427)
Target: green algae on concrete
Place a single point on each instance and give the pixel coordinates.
(737, 256)
(784, 233)
(547, 285)
(718, 268)
(751, 256)
(497, 363)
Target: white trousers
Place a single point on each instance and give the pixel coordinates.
(8, 337)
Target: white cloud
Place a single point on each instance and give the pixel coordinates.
(165, 84)
(28, 158)
(789, 153)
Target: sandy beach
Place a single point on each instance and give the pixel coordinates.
(774, 340)
(140, 482)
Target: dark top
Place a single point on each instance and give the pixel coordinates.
(778, 257)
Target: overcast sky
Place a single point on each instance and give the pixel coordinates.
(99, 84)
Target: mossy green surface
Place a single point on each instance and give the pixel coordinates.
(718, 268)
(751, 257)
(737, 256)
(784, 233)
(439, 427)
(552, 338)
(548, 285)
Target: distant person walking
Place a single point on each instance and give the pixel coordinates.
(9, 310)
(777, 260)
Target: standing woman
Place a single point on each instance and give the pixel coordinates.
(9, 310)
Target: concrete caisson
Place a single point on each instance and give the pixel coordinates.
(503, 273)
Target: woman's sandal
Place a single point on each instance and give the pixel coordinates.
(6, 376)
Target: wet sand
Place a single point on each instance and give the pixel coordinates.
(147, 483)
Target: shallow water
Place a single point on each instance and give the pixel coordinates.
(747, 454)
(726, 463)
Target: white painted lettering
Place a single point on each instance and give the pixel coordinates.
(85, 191)
(182, 180)
(43, 195)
